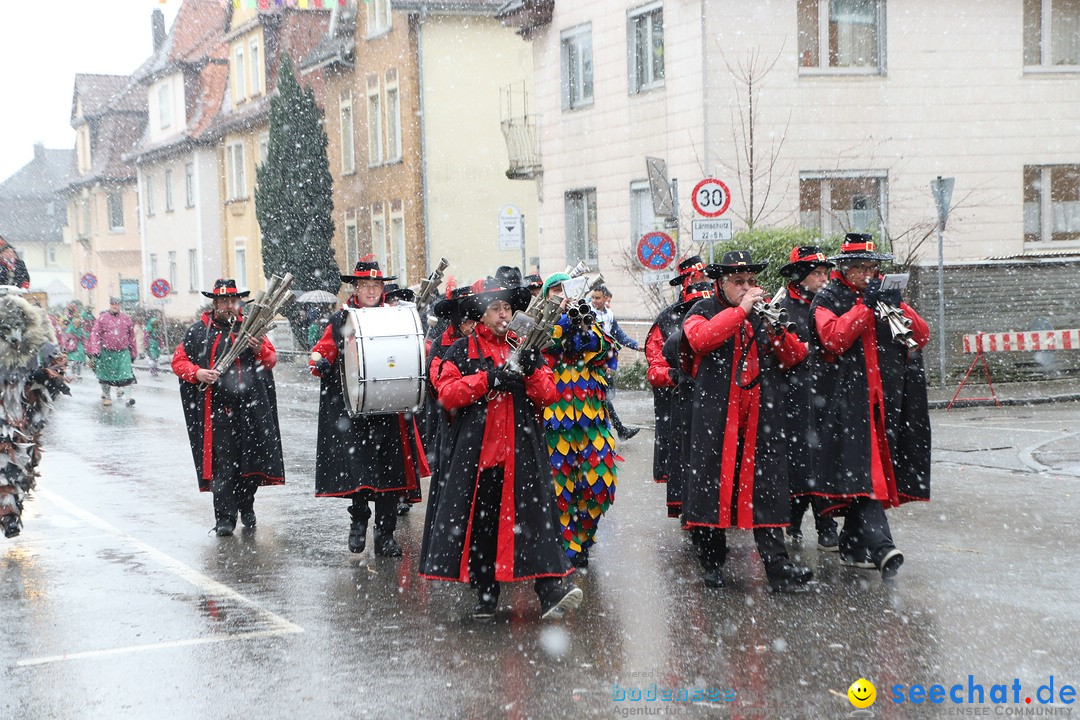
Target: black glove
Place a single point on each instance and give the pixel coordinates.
(673, 374)
(872, 293)
(503, 380)
(892, 297)
(322, 366)
(530, 361)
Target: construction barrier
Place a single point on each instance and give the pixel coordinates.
(1037, 340)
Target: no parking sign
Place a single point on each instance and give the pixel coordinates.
(656, 250)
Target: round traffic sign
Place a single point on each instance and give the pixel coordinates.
(160, 288)
(88, 280)
(711, 197)
(656, 250)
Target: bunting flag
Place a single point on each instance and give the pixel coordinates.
(581, 446)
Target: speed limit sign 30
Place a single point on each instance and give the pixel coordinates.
(711, 197)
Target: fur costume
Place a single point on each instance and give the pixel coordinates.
(31, 377)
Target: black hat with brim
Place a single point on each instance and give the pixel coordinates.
(696, 291)
(451, 306)
(736, 261)
(860, 246)
(225, 288)
(367, 269)
(803, 260)
(687, 267)
(474, 306)
(391, 290)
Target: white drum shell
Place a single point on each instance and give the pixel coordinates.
(384, 360)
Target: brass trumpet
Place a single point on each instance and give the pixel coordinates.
(899, 325)
(774, 314)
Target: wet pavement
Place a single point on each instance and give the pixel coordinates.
(118, 601)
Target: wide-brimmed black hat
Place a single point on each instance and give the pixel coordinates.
(225, 287)
(686, 267)
(367, 268)
(735, 261)
(391, 290)
(805, 258)
(490, 290)
(696, 291)
(860, 246)
(533, 281)
(509, 276)
(449, 306)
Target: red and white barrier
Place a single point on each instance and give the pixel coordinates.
(1022, 341)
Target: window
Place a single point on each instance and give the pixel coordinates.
(240, 253)
(843, 35)
(843, 202)
(236, 184)
(1051, 203)
(1052, 33)
(115, 201)
(172, 268)
(577, 67)
(239, 74)
(256, 69)
(581, 230)
(193, 270)
(153, 266)
(189, 184)
(86, 214)
(378, 16)
(642, 218)
(393, 122)
(149, 193)
(164, 106)
(378, 236)
(168, 191)
(374, 119)
(348, 154)
(645, 41)
(50, 254)
(397, 248)
(352, 239)
(264, 147)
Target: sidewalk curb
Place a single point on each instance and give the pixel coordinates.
(1010, 402)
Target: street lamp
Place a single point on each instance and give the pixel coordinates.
(942, 190)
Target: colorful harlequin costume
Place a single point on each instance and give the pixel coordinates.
(580, 442)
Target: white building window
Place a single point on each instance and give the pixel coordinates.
(153, 267)
(240, 268)
(842, 35)
(193, 270)
(239, 74)
(642, 218)
(378, 16)
(85, 207)
(577, 67)
(189, 184)
(348, 151)
(581, 229)
(264, 147)
(1052, 34)
(116, 211)
(172, 268)
(393, 123)
(164, 100)
(397, 248)
(50, 254)
(168, 191)
(1051, 203)
(256, 67)
(352, 239)
(378, 236)
(374, 119)
(235, 181)
(645, 42)
(148, 195)
(843, 202)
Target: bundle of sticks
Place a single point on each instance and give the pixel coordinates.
(260, 313)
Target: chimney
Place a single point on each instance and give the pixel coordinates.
(39, 150)
(157, 21)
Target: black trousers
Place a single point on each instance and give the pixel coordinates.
(385, 510)
(865, 525)
(711, 544)
(799, 505)
(485, 537)
(232, 492)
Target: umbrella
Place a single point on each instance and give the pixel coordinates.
(317, 296)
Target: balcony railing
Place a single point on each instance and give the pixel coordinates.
(522, 148)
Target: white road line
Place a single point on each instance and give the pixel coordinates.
(1008, 428)
(1027, 455)
(279, 625)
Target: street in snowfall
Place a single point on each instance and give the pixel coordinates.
(117, 601)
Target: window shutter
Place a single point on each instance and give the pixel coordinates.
(566, 73)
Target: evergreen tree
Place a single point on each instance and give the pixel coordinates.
(293, 199)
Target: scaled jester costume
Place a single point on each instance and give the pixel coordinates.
(580, 443)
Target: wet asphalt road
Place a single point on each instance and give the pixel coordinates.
(117, 601)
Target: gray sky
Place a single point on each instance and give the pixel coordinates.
(43, 45)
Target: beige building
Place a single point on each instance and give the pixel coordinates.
(857, 106)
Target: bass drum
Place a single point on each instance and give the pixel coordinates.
(382, 369)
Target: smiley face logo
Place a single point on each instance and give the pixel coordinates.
(862, 693)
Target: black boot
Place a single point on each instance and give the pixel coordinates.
(581, 559)
(225, 524)
(358, 530)
(247, 512)
(487, 602)
(11, 525)
(788, 576)
(386, 545)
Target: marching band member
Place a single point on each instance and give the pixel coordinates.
(233, 424)
(870, 409)
(494, 518)
(737, 434)
(369, 458)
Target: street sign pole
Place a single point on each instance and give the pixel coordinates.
(942, 189)
(164, 328)
(524, 270)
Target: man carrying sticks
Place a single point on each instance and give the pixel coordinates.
(230, 409)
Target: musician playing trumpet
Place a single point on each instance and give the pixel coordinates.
(869, 409)
(233, 424)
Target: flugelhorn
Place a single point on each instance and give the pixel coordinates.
(899, 325)
(775, 314)
(430, 285)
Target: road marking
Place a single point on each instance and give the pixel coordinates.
(278, 624)
(1027, 456)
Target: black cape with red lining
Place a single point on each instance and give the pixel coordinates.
(843, 466)
(797, 399)
(534, 534)
(377, 453)
(724, 488)
(246, 389)
(674, 355)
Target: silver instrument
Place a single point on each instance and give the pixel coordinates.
(774, 314)
(429, 286)
(899, 325)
